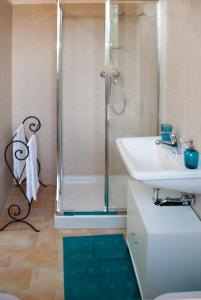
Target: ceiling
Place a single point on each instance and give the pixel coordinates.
(32, 1)
(70, 1)
(53, 1)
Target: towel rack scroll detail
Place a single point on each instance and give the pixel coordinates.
(15, 212)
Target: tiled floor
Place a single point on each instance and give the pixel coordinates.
(31, 263)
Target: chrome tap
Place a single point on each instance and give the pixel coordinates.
(174, 142)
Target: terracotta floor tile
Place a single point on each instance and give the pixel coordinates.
(35, 295)
(15, 192)
(15, 277)
(46, 258)
(39, 214)
(59, 295)
(46, 280)
(32, 264)
(5, 258)
(10, 239)
(48, 240)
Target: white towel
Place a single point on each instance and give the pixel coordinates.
(32, 169)
(19, 165)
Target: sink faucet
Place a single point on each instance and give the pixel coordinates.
(174, 142)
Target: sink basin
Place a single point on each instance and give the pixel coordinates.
(157, 165)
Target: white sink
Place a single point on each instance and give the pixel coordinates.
(157, 165)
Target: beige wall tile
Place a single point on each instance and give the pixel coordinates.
(136, 59)
(34, 77)
(83, 90)
(181, 67)
(181, 88)
(5, 95)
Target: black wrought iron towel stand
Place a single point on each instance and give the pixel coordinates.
(14, 210)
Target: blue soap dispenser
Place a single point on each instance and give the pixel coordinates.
(191, 156)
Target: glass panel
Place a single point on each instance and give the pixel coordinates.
(132, 62)
(83, 108)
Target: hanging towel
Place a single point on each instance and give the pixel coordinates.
(32, 169)
(19, 165)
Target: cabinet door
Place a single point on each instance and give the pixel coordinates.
(137, 242)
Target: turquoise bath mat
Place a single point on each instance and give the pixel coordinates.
(86, 213)
(98, 268)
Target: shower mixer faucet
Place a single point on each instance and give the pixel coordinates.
(113, 75)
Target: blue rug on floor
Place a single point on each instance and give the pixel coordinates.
(98, 268)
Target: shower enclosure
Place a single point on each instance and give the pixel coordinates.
(107, 88)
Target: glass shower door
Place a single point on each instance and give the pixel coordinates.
(83, 108)
(131, 84)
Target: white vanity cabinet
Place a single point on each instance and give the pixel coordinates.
(164, 243)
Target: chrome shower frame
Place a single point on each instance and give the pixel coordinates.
(107, 95)
(59, 111)
(59, 105)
